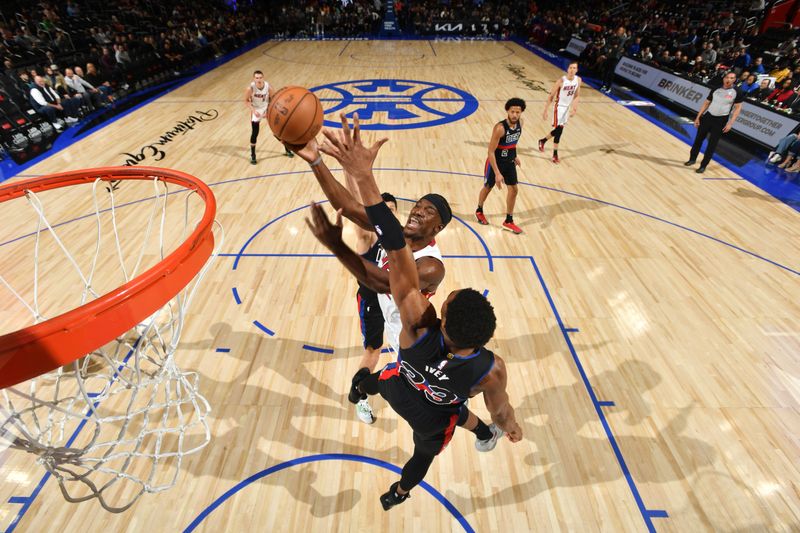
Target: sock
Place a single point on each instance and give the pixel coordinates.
(509, 218)
(543, 140)
(482, 431)
(555, 153)
(480, 209)
(252, 151)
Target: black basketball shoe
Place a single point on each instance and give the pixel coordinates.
(392, 498)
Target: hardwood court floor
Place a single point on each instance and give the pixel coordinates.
(673, 404)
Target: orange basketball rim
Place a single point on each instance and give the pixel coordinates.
(42, 347)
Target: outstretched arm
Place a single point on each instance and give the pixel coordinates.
(330, 235)
(493, 387)
(364, 238)
(416, 312)
(339, 197)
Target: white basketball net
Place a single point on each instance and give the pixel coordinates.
(118, 422)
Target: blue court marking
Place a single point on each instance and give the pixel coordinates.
(318, 458)
(268, 224)
(344, 47)
(777, 188)
(235, 292)
(485, 293)
(665, 221)
(647, 514)
(264, 328)
(572, 330)
(242, 253)
(724, 179)
(597, 405)
(222, 350)
(479, 176)
(317, 349)
(19, 499)
(397, 108)
(386, 350)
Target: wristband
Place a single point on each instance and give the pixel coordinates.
(316, 162)
(388, 228)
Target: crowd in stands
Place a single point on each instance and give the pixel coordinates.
(698, 39)
(326, 18)
(66, 59)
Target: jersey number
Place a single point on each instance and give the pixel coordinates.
(504, 153)
(432, 392)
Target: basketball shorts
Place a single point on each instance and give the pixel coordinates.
(371, 318)
(263, 116)
(560, 115)
(507, 167)
(433, 426)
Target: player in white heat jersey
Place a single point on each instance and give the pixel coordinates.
(391, 315)
(257, 97)
(564, 97)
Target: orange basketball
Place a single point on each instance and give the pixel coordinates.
(295, 115)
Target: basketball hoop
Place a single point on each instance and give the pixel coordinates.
(94, 390)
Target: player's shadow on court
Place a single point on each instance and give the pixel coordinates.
(661, 161)
(544, 215)
(741, 192)
(537, 346)
(249, 420)
(560, 438)
(288, 360)
(242, 151)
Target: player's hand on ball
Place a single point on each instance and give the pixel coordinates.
(330, 235)
(348, 149)
(308, 152)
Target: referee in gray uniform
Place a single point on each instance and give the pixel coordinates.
(715, 118)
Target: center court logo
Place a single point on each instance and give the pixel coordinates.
(395, 104)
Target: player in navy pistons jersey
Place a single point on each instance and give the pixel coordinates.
(502, 162)
(257, 97)
(441, 363)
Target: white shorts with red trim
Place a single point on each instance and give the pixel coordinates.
(560, 115)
